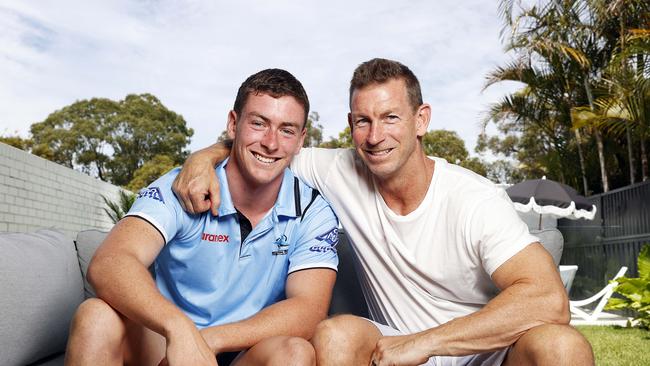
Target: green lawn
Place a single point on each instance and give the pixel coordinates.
(618, 346)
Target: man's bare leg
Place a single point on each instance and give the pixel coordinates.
(99, 335)
(279, 351)
(551, 345)
(345, 340)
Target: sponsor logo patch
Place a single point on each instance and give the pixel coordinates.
(329, 241)
(215, 238)
(151, 192)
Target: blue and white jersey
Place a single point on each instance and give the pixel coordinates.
(214, 276)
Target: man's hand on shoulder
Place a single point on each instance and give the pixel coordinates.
(196, 185)
(404, 350)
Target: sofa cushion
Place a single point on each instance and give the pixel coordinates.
(87, 242)
(41, 288)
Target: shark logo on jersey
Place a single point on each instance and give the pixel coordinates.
(151, 192)
(330, 239)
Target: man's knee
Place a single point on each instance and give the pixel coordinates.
(295, 351)
(334, 331)
(96, 319)
(279, 351)
(555, 344)
(345, 333)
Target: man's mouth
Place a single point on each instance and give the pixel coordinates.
(379, 152)
(264, 159)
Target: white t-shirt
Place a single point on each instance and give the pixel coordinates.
(433, 265)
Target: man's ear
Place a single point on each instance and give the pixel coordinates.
(422, 119)
(232, 124)
(350, 121)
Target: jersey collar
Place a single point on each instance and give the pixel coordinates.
(287, 203)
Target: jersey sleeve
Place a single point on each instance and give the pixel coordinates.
(317, 238)
(497, 231)
(158, 205)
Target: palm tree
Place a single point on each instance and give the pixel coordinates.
(117, 210)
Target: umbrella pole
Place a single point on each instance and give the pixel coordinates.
(540, 222)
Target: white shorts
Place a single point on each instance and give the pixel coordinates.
(487, 359)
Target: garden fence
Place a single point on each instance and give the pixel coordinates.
(613, 239)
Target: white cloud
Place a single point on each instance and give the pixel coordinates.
(194, 54)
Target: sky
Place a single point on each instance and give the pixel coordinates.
(193, 55)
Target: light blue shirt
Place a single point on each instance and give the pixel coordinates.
(206, 270)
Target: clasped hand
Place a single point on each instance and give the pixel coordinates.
(399, 351)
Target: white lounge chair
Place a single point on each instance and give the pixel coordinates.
(583, 316)
(567, 274)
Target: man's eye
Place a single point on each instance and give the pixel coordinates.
(288, 131)
(361, 122)
(257, 123)
(393, 118)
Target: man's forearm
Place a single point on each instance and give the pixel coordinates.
(290, 317)
(216, 152)
(127, 286)
(499, 324)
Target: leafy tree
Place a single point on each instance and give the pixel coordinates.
(112, 139)
(449, 146)
(344, 140)
(145, 128)
(314, 131)
(150, 171)
(445, 144)
(563, 50)
(17, 142)
(78, 135)
(223, 136)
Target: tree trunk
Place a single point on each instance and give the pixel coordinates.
(644, 160)
(630, 155)
(583, 170)
(601, 160)
(599, 139)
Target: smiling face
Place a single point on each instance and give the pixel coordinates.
(266, 135)
(386, 127)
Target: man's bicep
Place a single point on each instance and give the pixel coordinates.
(313, 283)
(133, 236)
(532, 265)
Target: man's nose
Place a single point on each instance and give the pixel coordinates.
(270, 139)
(376, 134)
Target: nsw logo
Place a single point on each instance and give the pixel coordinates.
(151, 192)
(328, 241)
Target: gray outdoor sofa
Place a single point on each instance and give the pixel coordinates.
(42, 281)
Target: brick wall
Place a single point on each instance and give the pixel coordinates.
(36, 193)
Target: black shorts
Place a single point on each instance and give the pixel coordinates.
(226, 358)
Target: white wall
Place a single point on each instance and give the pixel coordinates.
(36, 193)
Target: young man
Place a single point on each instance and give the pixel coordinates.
(258, 277)
(450, 273)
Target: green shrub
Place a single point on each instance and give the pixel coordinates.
(635, 292)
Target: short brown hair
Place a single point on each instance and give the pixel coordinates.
(274, 82)
(381, 70)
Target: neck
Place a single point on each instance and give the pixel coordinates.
(251, 199)
(404, 191)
